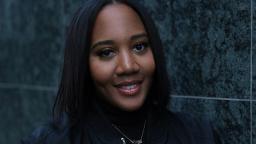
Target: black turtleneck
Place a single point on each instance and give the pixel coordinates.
(131, 123)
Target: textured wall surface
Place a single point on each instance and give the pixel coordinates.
(209, 44)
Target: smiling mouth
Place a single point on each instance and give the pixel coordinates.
(129, 88)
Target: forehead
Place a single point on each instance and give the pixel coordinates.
(116, 20)
(117, 9)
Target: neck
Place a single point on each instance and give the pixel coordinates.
(121, 117)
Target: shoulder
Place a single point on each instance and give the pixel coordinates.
(49, 133)
(186, 126)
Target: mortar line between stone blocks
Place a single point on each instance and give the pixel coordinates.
(27, 87)
(251, 44)
(211, 98)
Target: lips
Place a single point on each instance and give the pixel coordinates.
(129, 88)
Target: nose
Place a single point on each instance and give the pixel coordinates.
(127, 64)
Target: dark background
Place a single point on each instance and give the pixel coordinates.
(209, 45)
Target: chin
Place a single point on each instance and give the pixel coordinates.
(131, 109)
(131, 106)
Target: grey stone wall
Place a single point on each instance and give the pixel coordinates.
(209, 45)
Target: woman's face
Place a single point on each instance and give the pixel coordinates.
(121, 61)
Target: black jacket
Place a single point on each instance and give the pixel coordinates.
(162, 128)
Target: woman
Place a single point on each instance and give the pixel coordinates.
(114, 87)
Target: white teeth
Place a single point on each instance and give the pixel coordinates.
(129, 86)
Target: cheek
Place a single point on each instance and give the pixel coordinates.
(148, 64)
(101, 72)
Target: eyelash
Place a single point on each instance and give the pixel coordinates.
(108, 53)
(144, 44)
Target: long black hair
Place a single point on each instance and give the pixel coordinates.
(76, 88)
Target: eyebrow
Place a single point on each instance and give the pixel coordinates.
(104, 42)
(110, 42)
(134, 37)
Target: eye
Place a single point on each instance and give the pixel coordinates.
(140, 47)
(106, 53)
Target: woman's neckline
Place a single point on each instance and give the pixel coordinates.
(121, 117)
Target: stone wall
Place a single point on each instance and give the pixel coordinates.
(209, 45)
